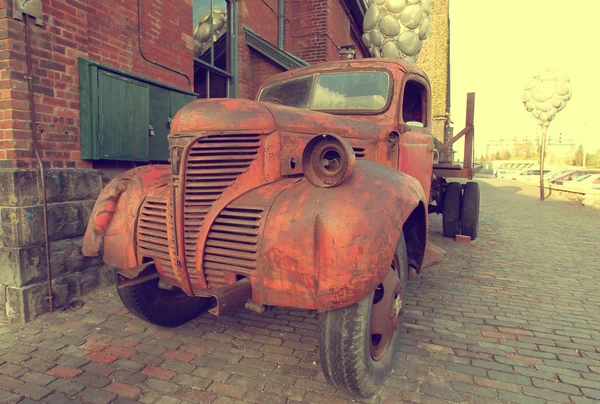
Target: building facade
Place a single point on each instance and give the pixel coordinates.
(107, 78)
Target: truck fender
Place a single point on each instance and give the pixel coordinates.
(327, 248)
(111, 227)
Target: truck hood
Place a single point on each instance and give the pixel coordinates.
(235, 114)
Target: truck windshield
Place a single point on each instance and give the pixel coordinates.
(340, 91)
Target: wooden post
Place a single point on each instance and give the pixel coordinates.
(542, 158)
(469, 150)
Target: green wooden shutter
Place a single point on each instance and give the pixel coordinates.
(159, 115)
(123, 118)
(179, 100)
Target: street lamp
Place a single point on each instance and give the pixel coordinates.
(544, 96)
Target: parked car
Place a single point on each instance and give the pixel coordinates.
(529, 176)
(583, 183)
(556, 174)
(314, 196)
(573, 175)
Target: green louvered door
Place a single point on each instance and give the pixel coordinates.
(123, 118)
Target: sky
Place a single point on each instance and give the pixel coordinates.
(497, 47)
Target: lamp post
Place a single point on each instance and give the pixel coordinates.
(544, 96)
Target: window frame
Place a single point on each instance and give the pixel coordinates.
(231, 56)
(315, 77)
(422, 81)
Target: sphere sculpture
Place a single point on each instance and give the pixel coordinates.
(396, 28)
(546, 95)
(202, 33)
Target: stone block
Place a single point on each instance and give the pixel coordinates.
(68, 185)
(25, 303)
(25, 266)
(107, 276)
(18, 187)
(65, 221)
(23, 227)
(2, 303)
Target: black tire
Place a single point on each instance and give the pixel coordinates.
(470, 210)
(165, 308)
(345, 349)
(452, 209)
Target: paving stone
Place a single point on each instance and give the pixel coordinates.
(518, 398)
(32, 391)
(40, 379)
(126, 376)
(68, 387)
(96, 396)
(193, 382)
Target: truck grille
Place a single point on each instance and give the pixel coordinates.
(152, 233)
(232, 244)
(214, 163)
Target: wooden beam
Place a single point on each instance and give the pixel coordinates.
(469, 138)
(446, 146)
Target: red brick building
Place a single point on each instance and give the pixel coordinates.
(106, 77)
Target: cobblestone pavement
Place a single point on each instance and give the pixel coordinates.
(511, 317)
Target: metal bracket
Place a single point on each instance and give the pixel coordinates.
(32, 8)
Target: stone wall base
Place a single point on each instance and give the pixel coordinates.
(70, 194)
(19, 305)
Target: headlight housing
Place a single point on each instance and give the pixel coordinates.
(328, 160)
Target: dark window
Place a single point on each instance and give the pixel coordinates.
(212, 48)
(414, 104)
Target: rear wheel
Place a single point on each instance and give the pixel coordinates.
(452, 209)
(359, 342)
(470, 210)
(165, 308)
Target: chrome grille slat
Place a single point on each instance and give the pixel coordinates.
(232, 242)
(152, 236)
(214, 163)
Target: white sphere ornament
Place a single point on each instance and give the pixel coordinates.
(397, 28)
(547, 94)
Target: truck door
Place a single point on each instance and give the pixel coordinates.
(416, 141)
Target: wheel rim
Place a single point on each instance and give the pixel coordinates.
(386, 310)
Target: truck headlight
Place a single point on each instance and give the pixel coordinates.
(328, 160)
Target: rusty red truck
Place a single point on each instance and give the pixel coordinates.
(314, 196)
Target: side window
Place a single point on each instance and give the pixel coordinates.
(414, 104)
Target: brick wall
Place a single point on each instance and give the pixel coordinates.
(262, 68)
(317, 28)
(262, 18)
(434, 61)
(314, 29)
(102, 31)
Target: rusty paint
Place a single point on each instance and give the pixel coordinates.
(112, 224)
(235, 211)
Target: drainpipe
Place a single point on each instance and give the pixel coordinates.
(39, 160)
(280, 28)
(154, 62)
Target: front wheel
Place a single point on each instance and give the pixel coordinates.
(165, 308)
(359, 342)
